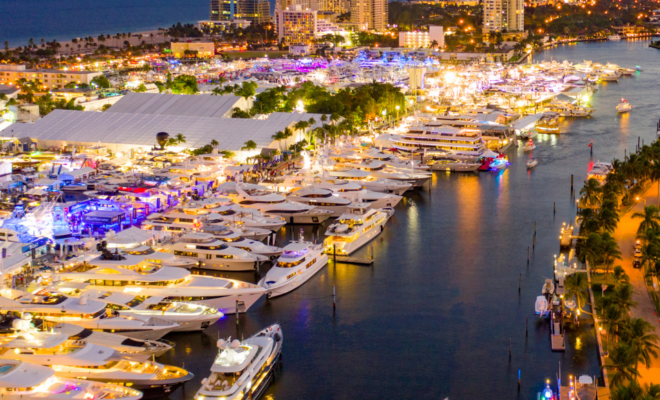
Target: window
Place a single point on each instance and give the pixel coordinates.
(185, 253)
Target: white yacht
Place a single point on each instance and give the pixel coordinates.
(248, 217)
(355, 192)
(440, 163)
(272, 203)
(233, 239)
(614, 37)
(78, 358)
(81, 312)
(357, 227)
(393, 161)
(321, 198)
(623, 106)
(377, 169)
(368, 182)
(158, 257)
(299, 262)
(212, 253)
(463, 143)
(189, 316)
(132, 275)
(243, 370)
(27, 381)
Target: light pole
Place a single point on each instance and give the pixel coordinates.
(384, 116)
(637, 198)
(397, 112)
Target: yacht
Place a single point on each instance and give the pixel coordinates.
(158, 257)
(81, 312)
(463, 143)
(377, 169)
(78, 358)
(355, 192)
(566, 109)
(243, 369)
(529, 146)
(623, 106)
(440, 163)
(600, 170)
(614, 37)
(393, 161)
(131, 275)
(236, 226)
(212, 253)
(233, 239)
(531, 163)
(272, 203)
(368, 182)
(27, 381)
(248, 217)
(609, 77)
(357, 227)
(320, 198)
(189, 316)
(299, 262)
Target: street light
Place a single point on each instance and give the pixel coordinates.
(397, 112)
(637, 198)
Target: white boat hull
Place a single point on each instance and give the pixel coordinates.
(295, 282)
(347, 248)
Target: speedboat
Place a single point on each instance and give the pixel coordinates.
(614, 37)
(623, 106)
(212, 253)
(548, 287)
(243, 369)
(529, 146)
(28, 381)
(531, 163)
(541, 306)
(321, 198)
(272, 203)
(131, 275)
(357, 227)
(299, 262)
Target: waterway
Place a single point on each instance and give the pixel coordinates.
(432, 318)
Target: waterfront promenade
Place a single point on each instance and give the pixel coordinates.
(625, 235)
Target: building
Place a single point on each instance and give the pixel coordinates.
(255, 11)
(422, 39)
(625, 30)
(333, 6)
(197, 49)
(417, 75)
(299, 49)
(369, 14)
(296, 25)
(51, 78)
(504, 15)
(223, 26)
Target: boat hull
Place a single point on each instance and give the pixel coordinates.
(295, 282)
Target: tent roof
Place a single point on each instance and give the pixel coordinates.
(173, 104)
(525, 122)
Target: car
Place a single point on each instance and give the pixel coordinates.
(638, 244)
(637, 264)
(638, 252)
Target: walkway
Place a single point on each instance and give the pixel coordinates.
(625, 236)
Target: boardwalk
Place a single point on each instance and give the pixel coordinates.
(625, 236)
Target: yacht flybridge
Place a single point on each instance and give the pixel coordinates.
(233, 239)
(27, 381)
(321, 198)
(135, 276)
(464, 144)
(243, 370)
(212, 253)
(81, 312)
(355, 192)
(249, 218)
(272, 203)
(368, 182)
(299, 262)
(357, 227)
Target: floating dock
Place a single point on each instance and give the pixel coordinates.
(352, 260)
(566, 235)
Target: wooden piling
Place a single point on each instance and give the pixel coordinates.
(236, 311)
(534, 242)
(554, 208)
(519, 282)
(334, 295)
(571, 183)
(509, 349)
(534, 228)
(527, 327)
(527, 255)
(334, 255)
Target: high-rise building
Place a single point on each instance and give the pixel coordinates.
(369, 14)
(423, 39)
(255, 11)
(504, 15)
(296, 25)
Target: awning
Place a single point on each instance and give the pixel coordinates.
(102, 217)
(526, 122)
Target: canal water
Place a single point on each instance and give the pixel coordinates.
(434, 315)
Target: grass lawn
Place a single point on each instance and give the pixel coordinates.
(235, 55)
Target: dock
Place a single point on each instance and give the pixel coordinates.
(352, 260)
(566, 237)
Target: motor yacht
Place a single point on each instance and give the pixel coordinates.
(614, 37)
(393, 161)
(460, 143)
(189, 316)
(79, 311)
(623, 106)
(609, 77)
(158, 257)
(368, 182)
(440, 163)
(299, 262)
(27, 381)
(257, 234)
(78, 358)
(320, 198)
(272, 203)
(355, 192)
(133, 275)
(243, 369)
(248, 217)
(568, 110)
(357, 227)
(377, 169)
(212, 253)
(600, 170)
(232, 238)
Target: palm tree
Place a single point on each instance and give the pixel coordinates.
(609, 250)
(637, 332)
(249, 145)
(180, 138)
(650, 218)
(612, 317)
(622, 296)
(620, 275)
(577, 286)
(279, 136)
(433, 44)
(214, 143)
(631, 391)
(608, 217)
(622, 365)
(301, 126)
(591, 193)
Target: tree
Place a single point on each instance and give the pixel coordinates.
(591, 193)
(577, 286)
(434, 44)
(609, 250)
(650, 219)
(638, 333)
(622, 297)
(238, 113)
(249, 145)
(246, 90)
(182, 84)
(214, 143)
(102, 82)
(141, 89)
(279, 136)
(623, 365)
(106, 107)
(180, 138)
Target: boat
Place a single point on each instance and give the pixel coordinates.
(657, 130)
(357, 227)
(614, 37)
(609, 77)
(528, 133)
(324, 199)
(531, 163)
(529, 146)
(137, 276)
(623, 106)
(26, 381)
(600, 170)
(212, 253)
(548, 287)
(247, 217)
(440, 163)
(541, 306)
(355, 192)
(233, 238)
(464, 144)
(299, 262)
(243, 369)
(368, 182)
(275, 204)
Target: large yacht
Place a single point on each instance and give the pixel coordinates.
(243, 370)
(272, 203)
(393, 161)
(83, 312)
(233, 239)
(248, 217)
(212, 253)
(357, 227)
(355, 192)
(379, 170)
(464, 143)
(368, 182)
(78, 358)
(299, 262)
(131, 275)
(321, 198)
(27, 381)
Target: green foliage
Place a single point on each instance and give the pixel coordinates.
(238, 113)
(186, 30)
(102, 82)
(141, 89)
(106, 107)
(182, 84)
(47, 104)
